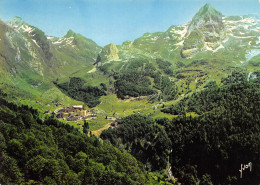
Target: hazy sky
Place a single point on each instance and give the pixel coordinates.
(106, 21)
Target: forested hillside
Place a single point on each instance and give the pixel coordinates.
(45, 151)
(75, 89)
(209, 148)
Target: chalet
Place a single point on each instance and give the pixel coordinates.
(77, 107)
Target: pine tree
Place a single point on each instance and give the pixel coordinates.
(85, 127)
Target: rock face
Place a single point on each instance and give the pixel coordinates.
(26, 52)
(110, 52)
(205, 31)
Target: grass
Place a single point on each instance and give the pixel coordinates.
(33, 97)
(112, 106)
(97, 124)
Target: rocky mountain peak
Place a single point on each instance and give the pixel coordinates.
(70, 33)
(204, 31)
(110, 52)
(17, 21)
(207, 8)
(207, 17)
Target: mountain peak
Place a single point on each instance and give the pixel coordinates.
(205, 30)
(207, 10)
(207, 7)
(16, 18)
(206, 15)
(70, 33)
(17, 21)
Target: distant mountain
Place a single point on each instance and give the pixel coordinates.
(207, 48)
(27, 53)
(209, 34)
(205, 31)
(187, 57)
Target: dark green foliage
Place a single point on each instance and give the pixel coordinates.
(166, 86)
(225, 136)
(145, 140)
(210, 148)
(180, 64)
(85, 127)
(136, 64)
(178, 109)
(33, 151)
(165, 66)
(180, 76)
(90, 95)
(206, 180)
(236, 77)
(211, 84)
(103, 86)
(235, 91)
(98, 59)
(197, 63)
(133, 84)
(136, 76)
(217, 143)
(135, 79)
(104, 68)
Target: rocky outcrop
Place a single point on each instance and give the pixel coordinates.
(110, 52)
(205, 31)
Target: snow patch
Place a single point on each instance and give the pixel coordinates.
(18, 55)
(50, 37)
(27, 28)
(182, 32)
(231, 28)
(207, 47)
(58, 41)
(154, 38)
(218, 48)
(92, 70)
(10, 39)
(251, 75)
(258, 41)
(35, 42)
(213, 50)
(246, 37)
(224, 41)
(180, 43)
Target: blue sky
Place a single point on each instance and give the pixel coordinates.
(116, 21)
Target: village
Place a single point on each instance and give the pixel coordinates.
(76, 113)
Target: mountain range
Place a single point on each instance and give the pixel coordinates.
(207, 48)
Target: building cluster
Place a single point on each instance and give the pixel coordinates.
(74, 113)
